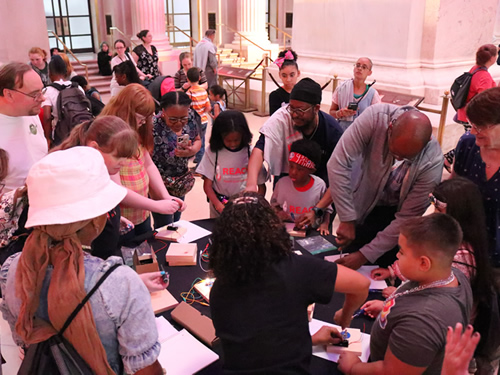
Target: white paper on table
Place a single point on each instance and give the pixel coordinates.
(320, 351)
(366, 271)
(193, 233)
(333, 258)
(374, 284)
(183, 354)
(165, 329)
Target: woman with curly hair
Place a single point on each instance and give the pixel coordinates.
(262, 289)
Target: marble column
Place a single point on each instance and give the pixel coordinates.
(150, 15)
(251, 23)
(16, 22)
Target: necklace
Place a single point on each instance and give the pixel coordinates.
(434, 284)
(314, 132)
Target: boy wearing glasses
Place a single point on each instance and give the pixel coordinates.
(21, 97)
(353, 96)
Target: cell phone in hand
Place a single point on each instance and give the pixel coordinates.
(353, 106)
(182, 141)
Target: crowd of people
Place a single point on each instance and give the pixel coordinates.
(79, 179)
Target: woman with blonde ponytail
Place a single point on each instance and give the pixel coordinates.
(70, 192)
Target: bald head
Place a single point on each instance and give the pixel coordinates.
(409, 134)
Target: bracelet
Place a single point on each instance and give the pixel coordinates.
(337, 114)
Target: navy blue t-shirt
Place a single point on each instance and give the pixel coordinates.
(469, 164)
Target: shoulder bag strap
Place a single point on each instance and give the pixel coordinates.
(478, 69)
(87, 297)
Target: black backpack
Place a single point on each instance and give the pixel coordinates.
(460, 89)
(73, 108)
(56, 356)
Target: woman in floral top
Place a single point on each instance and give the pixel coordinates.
(175, 120)
(146, 55)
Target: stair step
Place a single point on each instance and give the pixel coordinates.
(100, 84)
(92, 72)
(98, 78)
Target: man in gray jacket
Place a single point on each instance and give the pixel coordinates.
(381, 173)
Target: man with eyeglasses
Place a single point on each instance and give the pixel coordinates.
(21, 133)
(302, 118)
(353, 96)
(381, 174)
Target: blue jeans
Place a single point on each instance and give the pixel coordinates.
(200, 153)
(160, 220)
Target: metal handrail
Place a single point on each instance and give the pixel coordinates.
(121, 32)
(186, 34)
(72, 54)
(285, 34)
(244, 37)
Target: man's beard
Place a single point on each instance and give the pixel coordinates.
(310, 125)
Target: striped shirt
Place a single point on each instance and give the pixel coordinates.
(199, 99)
(134, 176)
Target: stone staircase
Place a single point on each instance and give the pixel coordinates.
(230, 58)
(101, 83)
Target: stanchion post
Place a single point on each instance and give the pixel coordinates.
(335, 83)
(442, 119)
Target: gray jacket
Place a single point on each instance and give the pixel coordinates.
(360, 166)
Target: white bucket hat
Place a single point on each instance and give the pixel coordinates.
(70, 186)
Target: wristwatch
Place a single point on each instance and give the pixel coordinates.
(318, 213)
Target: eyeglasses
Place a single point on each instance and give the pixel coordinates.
(141, 120)
(362, 66)
(175, 120)
(34, 95)
(297, 111)
(119, 47)
(481, 128)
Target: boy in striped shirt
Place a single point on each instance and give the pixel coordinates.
(200, 104)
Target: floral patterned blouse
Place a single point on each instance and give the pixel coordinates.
(147, 63)
(165, 141)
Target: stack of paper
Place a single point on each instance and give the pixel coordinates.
(181, 353)
(182, 254)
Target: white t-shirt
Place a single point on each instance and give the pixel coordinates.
(23, 140)
(230, 175)
(114, 86)
(51, 96)
(298, 201)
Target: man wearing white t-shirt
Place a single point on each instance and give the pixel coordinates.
(21, 97)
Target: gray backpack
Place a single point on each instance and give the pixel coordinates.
(73, 108)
